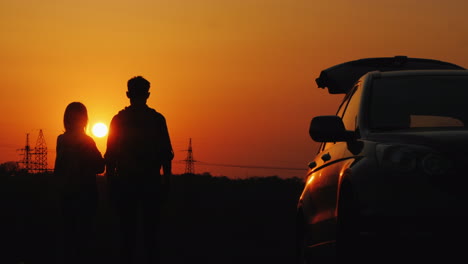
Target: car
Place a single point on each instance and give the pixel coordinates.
(390, 169)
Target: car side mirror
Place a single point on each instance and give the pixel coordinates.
(328, 129)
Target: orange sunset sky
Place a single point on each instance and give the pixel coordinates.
(238, 77)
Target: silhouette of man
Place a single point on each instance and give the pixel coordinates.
(138, 147)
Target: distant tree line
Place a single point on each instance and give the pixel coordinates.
(10, 168)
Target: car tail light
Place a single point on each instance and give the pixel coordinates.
(434, 164)
(407, 159)
(399, 158)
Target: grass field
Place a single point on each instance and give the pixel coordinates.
(205, 220)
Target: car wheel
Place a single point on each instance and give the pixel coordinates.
(347, 237)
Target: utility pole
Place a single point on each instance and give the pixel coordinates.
(189, 161)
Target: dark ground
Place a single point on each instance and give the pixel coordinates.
(205, 220)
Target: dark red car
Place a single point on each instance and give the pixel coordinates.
(390, 170)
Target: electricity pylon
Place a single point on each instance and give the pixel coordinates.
(35, 160)
(40, 150)
(189, 161)
(27, 155)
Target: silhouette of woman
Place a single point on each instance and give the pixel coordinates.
(77, 162)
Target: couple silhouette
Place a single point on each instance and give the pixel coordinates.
(137, 166)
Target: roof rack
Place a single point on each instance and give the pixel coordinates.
(340, 78)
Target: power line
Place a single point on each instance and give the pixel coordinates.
(249, 166)
(190, 163)
(242, 166)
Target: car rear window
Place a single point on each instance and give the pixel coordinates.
(406, 102)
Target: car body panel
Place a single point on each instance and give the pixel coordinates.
(319, 195)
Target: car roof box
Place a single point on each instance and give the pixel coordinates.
(340, 78)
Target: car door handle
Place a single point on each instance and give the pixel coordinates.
(326, 157)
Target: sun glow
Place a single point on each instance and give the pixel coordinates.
(99, 130)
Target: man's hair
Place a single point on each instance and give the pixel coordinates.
(138, 85)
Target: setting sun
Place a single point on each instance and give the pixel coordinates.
(99, 130)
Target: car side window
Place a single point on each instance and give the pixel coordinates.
(343, 106)
(322, 147)
(339, 113)
(328, 145)
(352, 109)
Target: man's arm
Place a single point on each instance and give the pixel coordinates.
(168, 153)
(167, 171)
(112, 149)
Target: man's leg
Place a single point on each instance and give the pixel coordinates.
(128, 226)
(151, 221)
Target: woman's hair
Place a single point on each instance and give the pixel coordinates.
(75, 117)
